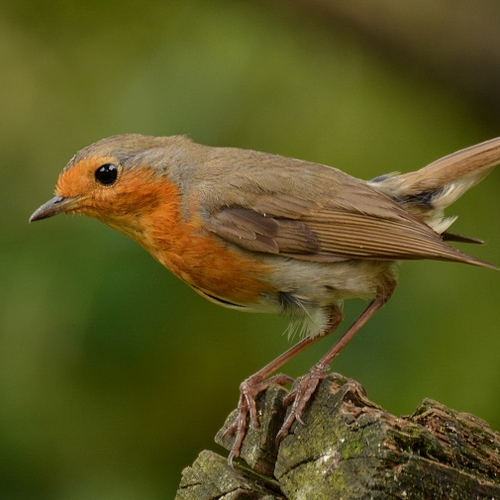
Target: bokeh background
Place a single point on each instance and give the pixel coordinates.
(113, 373)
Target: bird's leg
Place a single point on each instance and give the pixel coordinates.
(300, 396)
(260, 381)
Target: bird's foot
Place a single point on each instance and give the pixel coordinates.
(299, 397)
(247, 409)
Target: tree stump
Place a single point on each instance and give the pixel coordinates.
(351, 448)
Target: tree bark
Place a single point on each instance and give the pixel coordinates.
(351, 448)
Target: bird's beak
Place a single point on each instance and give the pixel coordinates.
(54, 206)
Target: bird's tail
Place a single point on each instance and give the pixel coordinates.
(427, 192)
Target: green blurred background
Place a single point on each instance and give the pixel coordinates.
(113, 373)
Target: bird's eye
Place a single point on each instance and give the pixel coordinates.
(106, 174)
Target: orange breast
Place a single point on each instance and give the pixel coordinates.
(200, 258)
(145, 206)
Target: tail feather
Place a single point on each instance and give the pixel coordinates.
(449, 236)
(466, 167)
(427, 192)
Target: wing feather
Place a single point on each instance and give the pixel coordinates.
(311, 212)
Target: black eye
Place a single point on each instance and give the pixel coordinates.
(106, 174)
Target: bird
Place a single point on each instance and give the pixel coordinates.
(260, 232)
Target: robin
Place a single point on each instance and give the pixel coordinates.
(260, 232)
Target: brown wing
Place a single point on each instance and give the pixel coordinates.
(311, 212)
(333, 236)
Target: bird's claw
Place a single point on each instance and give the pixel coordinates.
(299, 397)
(247, 410)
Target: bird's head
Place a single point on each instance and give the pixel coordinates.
(118, 180)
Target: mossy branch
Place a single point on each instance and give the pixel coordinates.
(351, 448)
